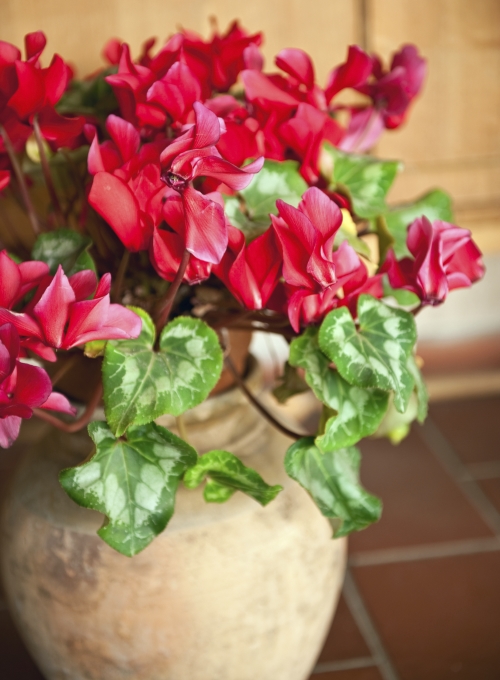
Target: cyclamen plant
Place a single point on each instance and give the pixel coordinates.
(218, 196)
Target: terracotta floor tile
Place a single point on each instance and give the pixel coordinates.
(344, 640)
(438, 619)
(491, 488)
(354, 674)
(422, 504)
(472, 427)
(15, 662)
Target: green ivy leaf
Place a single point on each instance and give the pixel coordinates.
(376, 356)
(66, 248)
(420, 388)
(435, 205)
(228, 474)
(277, 179)
(365, 180)
(333, 482)
(357, 411)
(141, 384)
(133, 482)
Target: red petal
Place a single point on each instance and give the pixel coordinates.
(53, 308)
(114, 201)
(4, 179)
(218, 168)
(298, 64)
(83, 283)
(206, 230)
(354, 72)
(259, 86)
(10, 280)
(323, 212)
(208, 127)
(58, 402)
(33, 385)
(56, 80)
(30, 94)
(35, 44)
(9, 349)
(124, 135)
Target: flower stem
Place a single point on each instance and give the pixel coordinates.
(166, 305)
(257, 404)
(82, 421)
(47, 176)
(21, 181)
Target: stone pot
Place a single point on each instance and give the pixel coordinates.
(227, 592)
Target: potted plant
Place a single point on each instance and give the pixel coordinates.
(154, 212)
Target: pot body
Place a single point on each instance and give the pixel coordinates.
(227, 592)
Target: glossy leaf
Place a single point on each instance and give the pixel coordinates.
(358, 411)
(332, 480)
(365, 180)
(133, 482)
(227, 474)
(250, 210)
(435, 205)
(377, 355)
(66, 248)
(291, 383)
(141, 384)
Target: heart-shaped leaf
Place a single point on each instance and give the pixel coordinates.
(141, 384)
(227, 474)
(377, 355)
(66, 248)
(358, 410)
(250, 210)
(365, 180)
(331, 477)
(133, 482)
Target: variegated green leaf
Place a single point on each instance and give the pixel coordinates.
(66, 248)
(364, 179)
(250, 210)
(377, 355)
(227, 474)
(133, 482)
(358, 411)
(141, 384)
(332, 479)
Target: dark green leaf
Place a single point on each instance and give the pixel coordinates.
(250, 210)
(227, 474)
(435, 205)
(365, 180)
(377, 355)
(141, 384)
(133, 482)
(357, 412)
(290, 384)
(333, 482)
(66, 248)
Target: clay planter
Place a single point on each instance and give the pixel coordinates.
(227, 592)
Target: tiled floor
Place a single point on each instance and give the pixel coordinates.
(421, 599)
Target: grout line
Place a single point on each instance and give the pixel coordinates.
(443, 451)
(367, 628)
(415, 553)
(489, 470)
(344, 665)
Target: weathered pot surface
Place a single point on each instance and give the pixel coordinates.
(227, 592)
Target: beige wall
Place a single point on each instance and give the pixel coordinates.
(453, 139)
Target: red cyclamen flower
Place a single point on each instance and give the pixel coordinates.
(61, 316)
(23, 387)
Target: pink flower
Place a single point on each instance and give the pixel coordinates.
(18, 279)
(444, 258)
(65, 313)
(251, 272)
(23, 387)
(194, 155)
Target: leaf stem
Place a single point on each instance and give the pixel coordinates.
(47, 175)
(21, 181)
(120, 276)
(166, 305)
(82, 421)
(258, 405)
